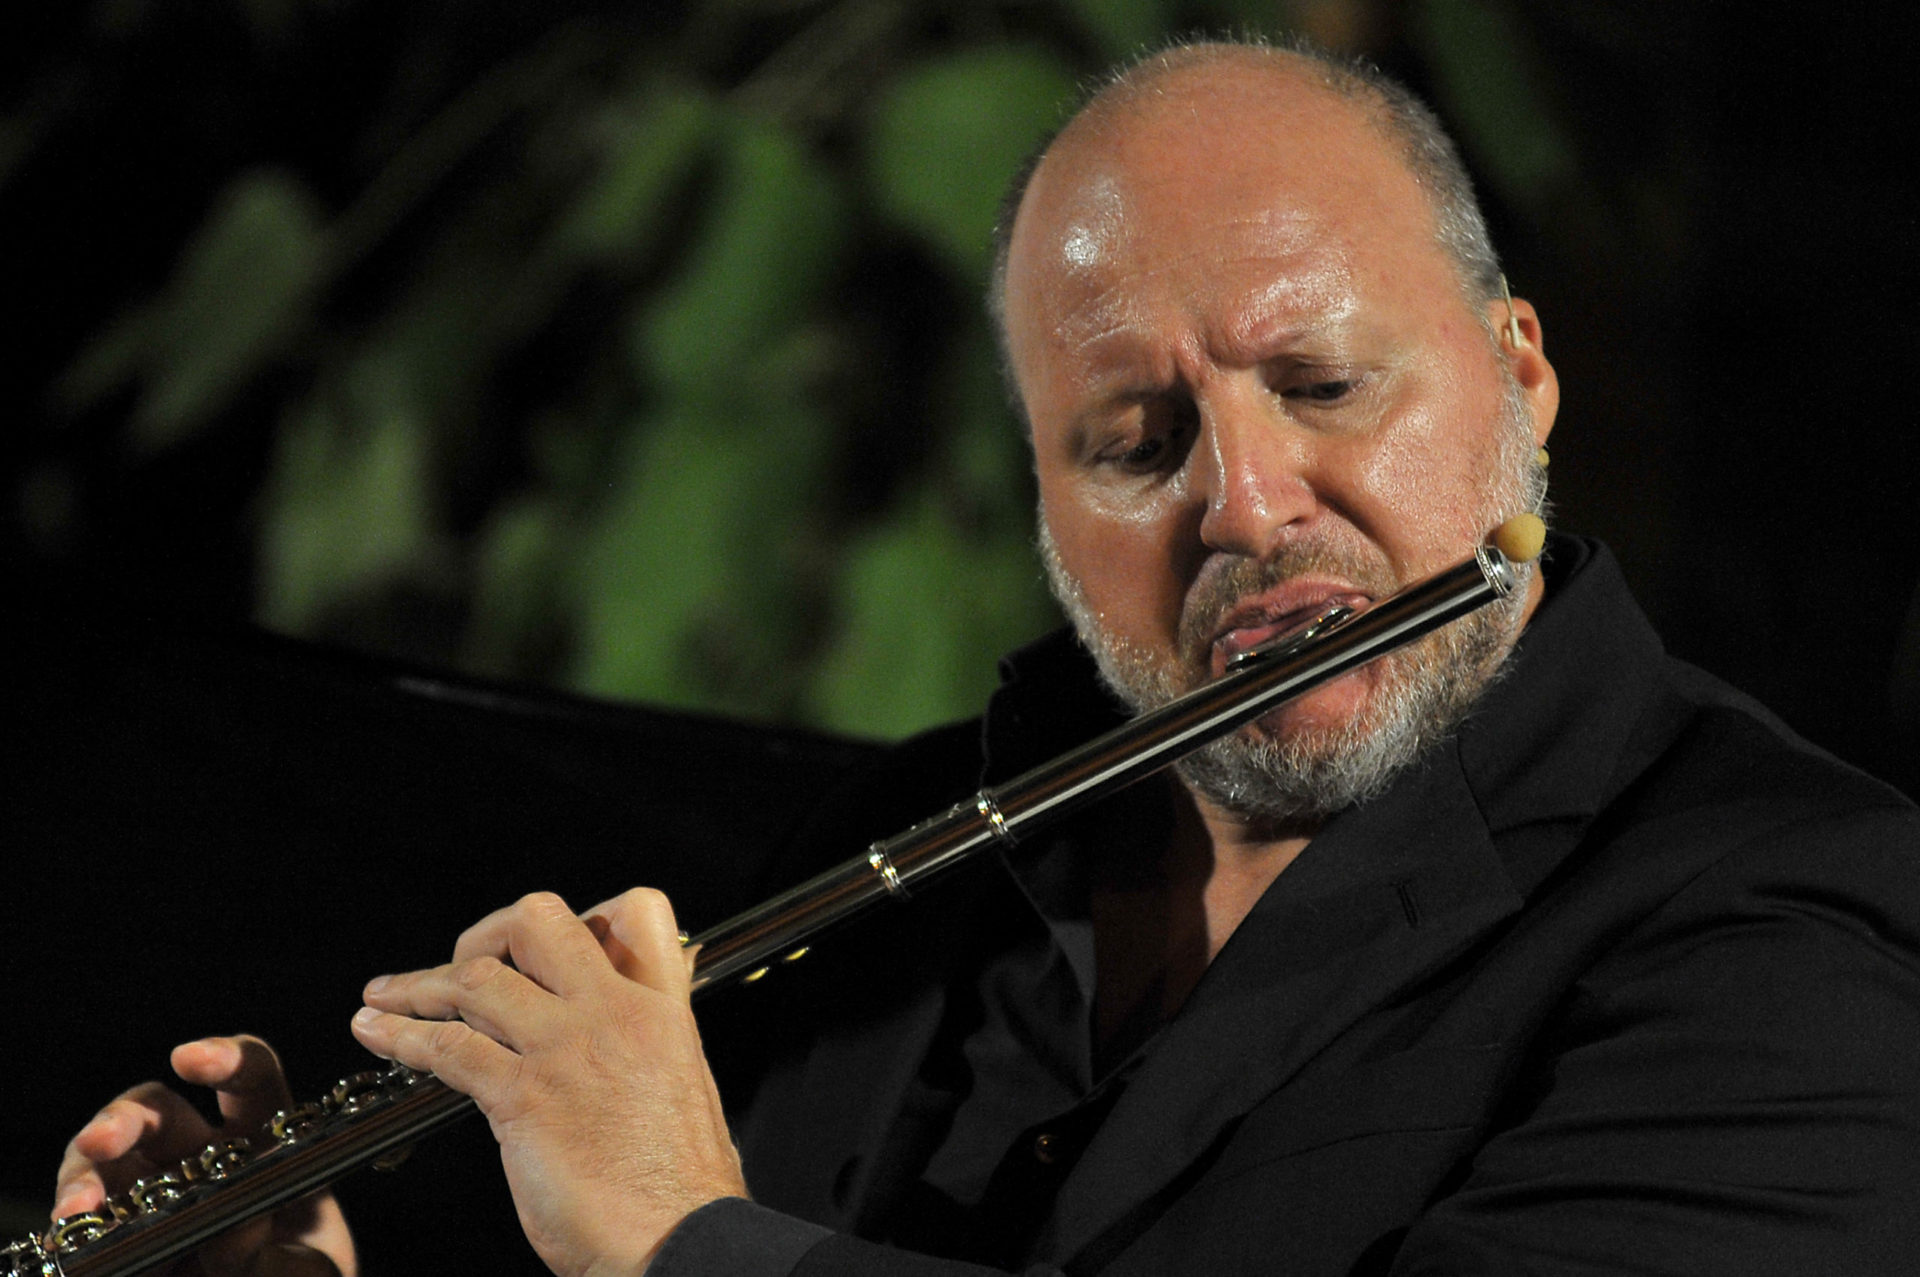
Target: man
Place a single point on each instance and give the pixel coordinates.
(1509, 953)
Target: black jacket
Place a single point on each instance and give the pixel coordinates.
(1625, 978)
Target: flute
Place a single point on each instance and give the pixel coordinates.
(373, 1118)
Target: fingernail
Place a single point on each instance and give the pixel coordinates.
(364, 1017)
(378, 983)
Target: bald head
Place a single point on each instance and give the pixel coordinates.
(1289, 80)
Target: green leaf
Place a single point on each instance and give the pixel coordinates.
(344, 511)
(925, 612)
(646, 150)
(1122, 28)
(243, 286)
(773, 234)
(687, 592)
(990, 466)
(947, 137)
(515, 564)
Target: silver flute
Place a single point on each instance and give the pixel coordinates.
(373, 1118)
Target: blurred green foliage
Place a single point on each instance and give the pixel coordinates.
(641, 359)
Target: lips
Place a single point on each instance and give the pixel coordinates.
(1266, 616)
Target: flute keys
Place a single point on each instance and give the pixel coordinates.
(29, 1257)
(358, 1093)
(77, 1230)
(158, 1192)
(289, 1126)
(217, 1161)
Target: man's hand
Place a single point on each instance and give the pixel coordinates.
(150, 1128)
(576, 1037)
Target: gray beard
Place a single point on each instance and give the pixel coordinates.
(1424, 691)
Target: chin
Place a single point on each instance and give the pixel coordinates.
(1325, 713)
(1343, 744)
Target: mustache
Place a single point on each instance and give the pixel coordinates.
(1224, 584)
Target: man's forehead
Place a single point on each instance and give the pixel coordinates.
(1277, 272)
(1209, 149)
(1172, 191)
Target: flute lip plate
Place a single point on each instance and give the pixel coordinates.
(1329, 617)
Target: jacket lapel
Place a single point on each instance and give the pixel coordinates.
(1379, 901)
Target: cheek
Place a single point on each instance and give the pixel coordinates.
(1424, 483)
(1127, 557)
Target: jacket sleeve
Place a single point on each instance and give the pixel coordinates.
(735, 1238)
(1733, 1088)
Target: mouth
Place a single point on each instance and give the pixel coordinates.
(1266, 617)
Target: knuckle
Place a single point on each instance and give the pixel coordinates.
(130, 1108)
(650, 898)
(252, 1042)
(445, 1037)
(477, 972)
(649, 905)
(136, 1097)
(475, 933)
(542, 906)
(259, 1062)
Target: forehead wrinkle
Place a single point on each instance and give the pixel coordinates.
(1109, 311)
(1292, 304)
(1290, 309)
(1275, 241)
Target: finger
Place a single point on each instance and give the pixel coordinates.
(642, 940)
(492, 935)
(541, 936)
(547, 941)
(133, 1135)
(488, 994)
(465, 1059)
(78, 1185)
(486, 938)
(289, 1259)
(244, 1072)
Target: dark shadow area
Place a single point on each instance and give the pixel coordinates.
(221, 831)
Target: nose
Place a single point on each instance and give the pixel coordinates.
(1251, 473)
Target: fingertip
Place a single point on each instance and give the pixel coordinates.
(110, 1132)
(367, 1030)
(206, 1060)
(77, 1196)
(94, 1139)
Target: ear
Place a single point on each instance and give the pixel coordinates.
(1516, 325)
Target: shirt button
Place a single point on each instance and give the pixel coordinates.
(1046, 1148)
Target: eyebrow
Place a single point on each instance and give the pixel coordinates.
(1260, 333)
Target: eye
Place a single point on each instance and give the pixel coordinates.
(1322, 392)
(1167, 423)
(1149, 454)
(1156, 452)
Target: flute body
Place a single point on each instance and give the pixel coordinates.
(372, 1118)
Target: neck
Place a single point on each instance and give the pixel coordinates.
(1159, 924)
(1241, 859)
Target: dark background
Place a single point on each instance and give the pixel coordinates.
(633, 352)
